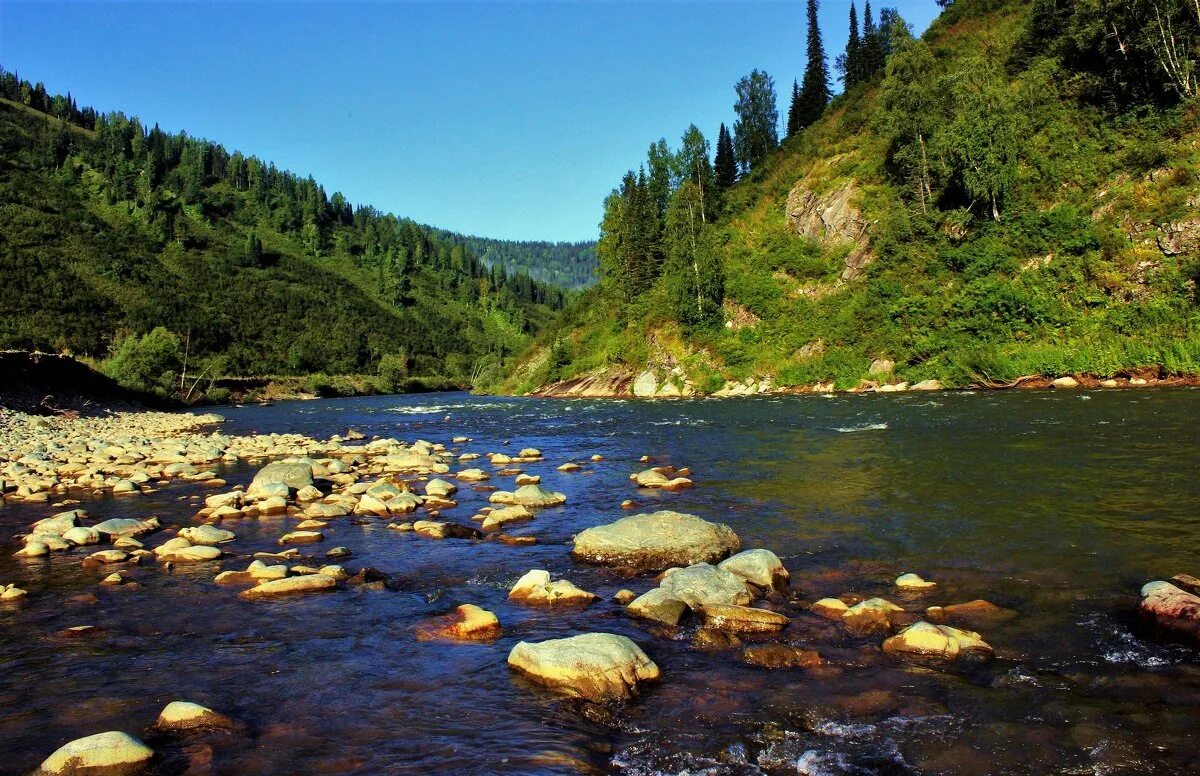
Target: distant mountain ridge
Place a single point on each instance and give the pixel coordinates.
(571, 265)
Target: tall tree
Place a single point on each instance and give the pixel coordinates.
(874, 54)
(850, 63)
(694, 274)
(725, 163)
(658, 160)
(814, 90)
(793, 118)
(756, 131)
(693, 166)
(912, 109)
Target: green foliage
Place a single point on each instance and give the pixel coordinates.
(755, 132)
(393, 370)
(148, 364)
(810, 101)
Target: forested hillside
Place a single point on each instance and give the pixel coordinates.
(168, 252)
(1016, 192)
(571, 265)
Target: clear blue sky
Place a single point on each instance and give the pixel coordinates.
(504, 119)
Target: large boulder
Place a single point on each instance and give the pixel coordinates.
(657, 605)
(1172, 607)
(594, 666)
(702, 585)
(656, 540)
(113, 754)
(926, 640)
(116, 527)
(294, 475)
(304, 583)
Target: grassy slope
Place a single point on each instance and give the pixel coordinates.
(1069, 282)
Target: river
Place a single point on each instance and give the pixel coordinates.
(1057, 505)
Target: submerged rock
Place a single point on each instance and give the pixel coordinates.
(207, 534)
(655, 478)
(656, 540)
(597, 667)
(923, 639)
(975, 614)
(182, 715)
(1172, 607)
(780, 656)
(113, 754)
(914, 582)
(830, 608)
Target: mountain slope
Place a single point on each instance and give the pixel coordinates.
(109, 230)
(570, 265)
(1007, 198)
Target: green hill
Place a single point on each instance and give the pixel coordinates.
(1015, 193)
(571, 265)
(110, 230)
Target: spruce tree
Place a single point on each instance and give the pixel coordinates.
(851, 61)
(725, 164)
(814, 91)
(793, 121)
(873, 47)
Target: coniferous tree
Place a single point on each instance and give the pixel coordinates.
(814, 90)
(793, 119)
(725, 164)
(756, 131)
(874, 55)
(851, 62)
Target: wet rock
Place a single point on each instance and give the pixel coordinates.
(657, 605)
(192, 553)
(59, 524)
(109, 556)
(942, 642)
(928, 385)
(125, 526)
(701, 585)
(335, 571)
(779, 656)
(275, 505)
(292, 475)
(656, 478)
(624, 597)
(112, 754)
(82, 536)
(529, 496)
(182, 715)
(11, 593)
(440, 488)
(598, 667)
(914, 583)
(33, 549)
(1186, 582)
(759, 567)
(655, 540)
(743, 619)
(570, 466)
(830, 608)
(207, 534)
(871, 615)
(535, 587)
(498, 517)
(472, 475)
(338, 553)
(1172, 608)
(466, 623)
(1065, 382)
(304, 583)
(302, 537)
(528, 479)
(368, 575)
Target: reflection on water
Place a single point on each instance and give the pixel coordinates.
(1056, 507)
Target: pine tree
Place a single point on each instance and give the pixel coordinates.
(874, 55)
(793, 121)
(725, 165)
(850, 63)
(814, 91)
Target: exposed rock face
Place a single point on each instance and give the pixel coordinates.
(833, 219)
(656, 540)
(1172, 607)
(923, 639)
(113, 753)
(597, 667)
(604, 383)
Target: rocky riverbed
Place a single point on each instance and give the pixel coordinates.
(276, 520)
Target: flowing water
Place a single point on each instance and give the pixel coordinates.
(1056, 505)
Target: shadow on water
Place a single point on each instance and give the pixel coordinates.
(1057, 505)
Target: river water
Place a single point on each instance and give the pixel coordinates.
(1056, 505)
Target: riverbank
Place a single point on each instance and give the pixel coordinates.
(624, 383)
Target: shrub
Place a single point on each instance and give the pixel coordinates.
(393, 370)
(149, 363)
